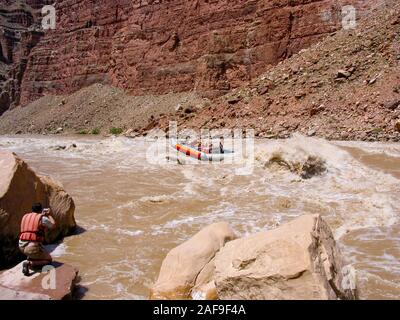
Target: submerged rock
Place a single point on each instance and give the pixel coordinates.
(20, 187)
(191, 264)
(314, 166)
(299, 260)
(55, 282)
(305, 168)
(58, 148)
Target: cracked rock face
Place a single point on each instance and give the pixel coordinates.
(299, 260)
(191, 265)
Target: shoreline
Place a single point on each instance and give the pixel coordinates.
(271, 137)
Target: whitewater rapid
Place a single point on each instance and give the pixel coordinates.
(133, 211)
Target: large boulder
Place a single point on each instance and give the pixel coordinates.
(20, 187)
(54, 282)
(299, 260)
(191, 265)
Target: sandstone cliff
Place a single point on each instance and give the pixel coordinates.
(155, 46)
(346, 87)
(19, 33)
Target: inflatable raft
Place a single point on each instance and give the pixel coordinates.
(202, 155)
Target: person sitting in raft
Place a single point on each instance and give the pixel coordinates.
(33, 228)
(210, 148)
(187, 141)
(221, 145)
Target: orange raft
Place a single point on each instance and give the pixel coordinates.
(200, 155)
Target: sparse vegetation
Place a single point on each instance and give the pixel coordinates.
(83, 131)
(376, 130)
(116, 131)
(95, 131)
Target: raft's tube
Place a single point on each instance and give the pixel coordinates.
(199, 155)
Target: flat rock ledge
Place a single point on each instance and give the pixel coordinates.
(56, 282)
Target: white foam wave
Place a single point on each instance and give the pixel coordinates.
(157, 199)
(120, 231)
(130, 233)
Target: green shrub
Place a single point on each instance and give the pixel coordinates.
(116, 131)
(83, 131)
(376, 130)
(95, 131)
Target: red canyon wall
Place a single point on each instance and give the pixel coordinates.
(172, 45)
(19, 32)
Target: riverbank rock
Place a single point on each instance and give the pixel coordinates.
(62, 207)
(20, 187)
(55, 282)
(299, 260)
(191, 264)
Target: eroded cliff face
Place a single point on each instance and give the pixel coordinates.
(19, 33)
(178, 45)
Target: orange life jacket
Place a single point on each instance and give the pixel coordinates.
(31, 228)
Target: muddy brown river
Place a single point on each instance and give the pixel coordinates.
(133, 211)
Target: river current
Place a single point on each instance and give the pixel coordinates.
(132, 211)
